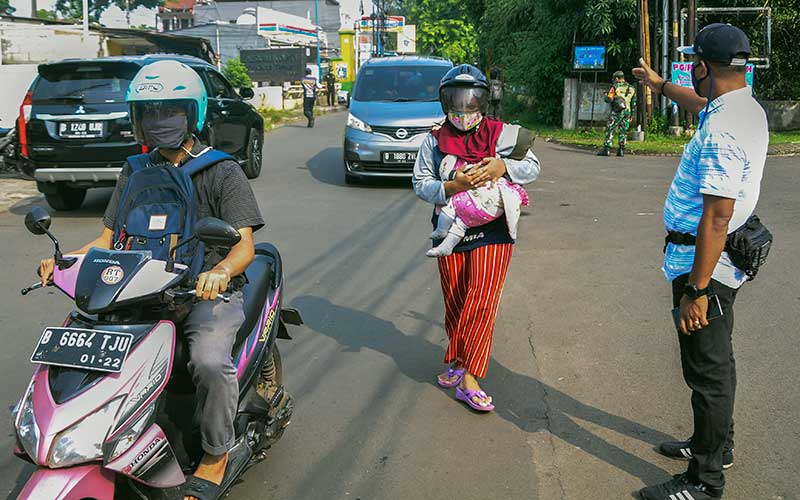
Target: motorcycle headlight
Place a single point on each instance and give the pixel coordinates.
(83, 442)
(27, 430)
(357, 124)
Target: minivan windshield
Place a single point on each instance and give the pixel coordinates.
(399, 83)
(84, 83)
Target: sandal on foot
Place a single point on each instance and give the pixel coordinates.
(450, 373)
(466, 396)
(200, 488)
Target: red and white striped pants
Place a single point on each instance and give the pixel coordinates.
(472, 283)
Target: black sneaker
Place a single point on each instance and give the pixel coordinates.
(604, 152)
(682, 450)
(680, 488)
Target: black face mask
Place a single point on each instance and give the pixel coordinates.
(167, 133)
(696, 82)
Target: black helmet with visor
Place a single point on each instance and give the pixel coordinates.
(464, 89)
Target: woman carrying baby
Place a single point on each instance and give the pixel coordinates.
(473, 274)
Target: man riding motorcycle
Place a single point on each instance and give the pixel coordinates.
(167, 102)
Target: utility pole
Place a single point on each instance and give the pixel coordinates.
(664, 50)
(33, 8)
(692, 28)
(316, 22)
(675, 121)
(85, 21)
(647, 56)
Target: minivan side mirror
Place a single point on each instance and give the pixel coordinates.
(216, 232)
(246, 93)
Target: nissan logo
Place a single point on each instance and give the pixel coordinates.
(401, 133)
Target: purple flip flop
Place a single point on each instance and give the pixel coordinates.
(466, 396)
(451, 372)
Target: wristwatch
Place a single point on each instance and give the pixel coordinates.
(693, 292)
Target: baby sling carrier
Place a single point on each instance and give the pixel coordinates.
(157, 209)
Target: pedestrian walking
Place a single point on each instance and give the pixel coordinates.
(472, 277)
(495, 94)
(622, 97)
(709, 253)
(330, 84)
(310, 88)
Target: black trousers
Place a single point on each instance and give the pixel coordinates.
(331, 96)
(709, 370)
(308, 108)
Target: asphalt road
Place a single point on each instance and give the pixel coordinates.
(585, 368)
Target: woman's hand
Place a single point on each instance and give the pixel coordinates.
(461, 182)
(212, 283)
(489, 169)
(46, 267)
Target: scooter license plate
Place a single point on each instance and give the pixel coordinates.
(81, 348)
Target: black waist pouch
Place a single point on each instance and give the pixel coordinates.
(749, 246)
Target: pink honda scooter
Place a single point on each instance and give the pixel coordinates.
(110, 410)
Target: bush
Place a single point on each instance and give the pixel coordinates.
(236, 72)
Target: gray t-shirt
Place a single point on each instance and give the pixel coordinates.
(221, 191)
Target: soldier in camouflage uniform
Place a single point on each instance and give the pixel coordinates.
(622, 97)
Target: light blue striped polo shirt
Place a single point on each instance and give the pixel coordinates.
(725, 158)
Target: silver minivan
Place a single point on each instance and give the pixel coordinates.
(394, 103)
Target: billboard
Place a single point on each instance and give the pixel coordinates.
(682, 74)
(274, 65)
(589, 58)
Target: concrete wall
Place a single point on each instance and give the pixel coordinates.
(232, 38)
(15, 79)
(577, 103)
(32, 44)
(782, 115)
(268, 98)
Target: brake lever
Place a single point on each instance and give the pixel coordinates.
(225, 297)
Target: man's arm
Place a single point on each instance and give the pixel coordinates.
(686, 98)
(711, 236)
(211, 283)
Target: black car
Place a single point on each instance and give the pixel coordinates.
(74, 132)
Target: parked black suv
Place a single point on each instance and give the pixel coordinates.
(74, 132)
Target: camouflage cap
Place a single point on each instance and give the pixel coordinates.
(619, 74)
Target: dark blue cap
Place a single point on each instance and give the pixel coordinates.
(720, 43)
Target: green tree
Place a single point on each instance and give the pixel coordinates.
(444, 28)
(46, 14)
(236, 72)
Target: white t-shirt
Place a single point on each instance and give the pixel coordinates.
(725, 158)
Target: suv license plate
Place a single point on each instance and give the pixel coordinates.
(80, 130)
(399, 156)
(81, 348)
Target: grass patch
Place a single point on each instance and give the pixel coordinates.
(273, 117)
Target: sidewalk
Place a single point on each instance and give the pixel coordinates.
(13, 191)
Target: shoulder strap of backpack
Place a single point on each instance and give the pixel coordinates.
(138, 162)
(205, 160)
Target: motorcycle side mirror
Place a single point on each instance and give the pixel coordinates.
(38, 221)
(216, 232)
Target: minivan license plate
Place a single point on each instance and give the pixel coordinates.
(399, 157)
(81, 348)
(80, 130)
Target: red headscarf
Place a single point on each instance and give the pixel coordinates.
(472, 146)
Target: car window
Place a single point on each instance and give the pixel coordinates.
(218, 87)
(83, 83)
(399, 83)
